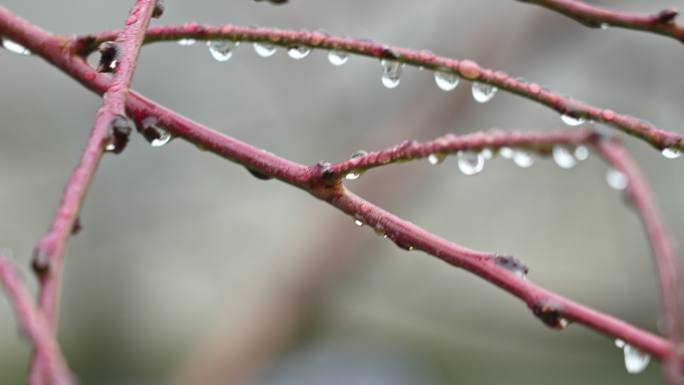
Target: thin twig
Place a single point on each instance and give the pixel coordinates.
(465, 68)
(662, 22)
(35, 325)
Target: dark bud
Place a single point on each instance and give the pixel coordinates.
(118, 133)
(158, 9)
(76, 228)
(667, 15)
(388, 54)
(324, 169)
(274, 2)
(259, 175)
(109, 54)
(550, 314)
(41, 261)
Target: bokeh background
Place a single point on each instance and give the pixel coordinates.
(190, 271)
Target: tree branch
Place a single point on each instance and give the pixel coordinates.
(35, 325)
(468, 69)
(662, 23)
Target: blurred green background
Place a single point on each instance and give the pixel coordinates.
(190, 271)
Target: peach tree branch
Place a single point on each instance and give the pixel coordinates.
(35, 325)
(467, 69)
(662, 22)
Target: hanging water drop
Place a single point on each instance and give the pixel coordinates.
(391, 75)
(523, 159)
(337, 58)
(482, 93)
(581, 153)
(164, 137)
(154, 134)
(355, 174)
(264, 49)
(221, 50)
(635, 359)
(14, 47)
(506, 152)
(563, 157)
(298, 52)
(187, 42)
(435, 159)
(487, 153)
(616, 179)
(604, 25)
(671, 152)
(446, 81)
(572, 121)
(470, 162)
(358, 222)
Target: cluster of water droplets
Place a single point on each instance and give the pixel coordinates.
(14, 47)
(635, 360)
(471, 162)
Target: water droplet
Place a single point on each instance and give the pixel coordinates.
(358, 223)
(14, 47)
(187, 42)
(616, 179)
(482, 93)
(164, 137)
(154, 134)
(222, 50)
(470, 162)
(572, 121)
(512, 264)
(487, 153)
(523, 159)
(563, 157)
(264, 49)
(299, 52)
(391, 75)
(671, 153)
(110, 147)
(604, 25)
(635, 359)
(435, 159)
(446, 81)
(355, 174)
(581, 153)
(337, 58)
(506, 152)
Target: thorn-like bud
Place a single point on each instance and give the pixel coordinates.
(117, 134)
(109, 54)
(76, 228)
(158, 9)
(667, 15)
(41, 261)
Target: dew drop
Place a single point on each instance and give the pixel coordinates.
(187, 42)
(671, 153)
(298, 52)
(581, 153)
(523, 159)
(154, 134)
(391, 75)
(563, 157)
(355, 174)
(616, 179)
(435, 159)
(14, 47)
(164, 137)
(337, 58)
(470, 162)
(110, 147)
(358, 222)
(487, 153)
(572, 121)
(446, 81)
(264, 49)
(222, 50)
(482, 93)
(604, 25)
(635, 359)
(506, 152)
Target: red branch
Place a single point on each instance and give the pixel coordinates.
(466, 68)
(551, 308)
(35, 325)
(661, 23)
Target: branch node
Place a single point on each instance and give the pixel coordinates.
(550, 313)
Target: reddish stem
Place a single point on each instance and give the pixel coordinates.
(466, 68)
(35, 325)
(661, 23)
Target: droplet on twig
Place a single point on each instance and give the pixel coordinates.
(671, 152)
(337, 58)
(14, 47)
(482, 93)
(222, 50)
(264, 49)
(186, 42)
(563, 157)
(512, 264)
(616, 179)
(522, 159)
(298, 52)
(636, 360)
(391, 75)
(470, 162)
(581, 152)
(355, 174)
(571, 120)
(435, 159)
(446, 81)
(154, 134)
